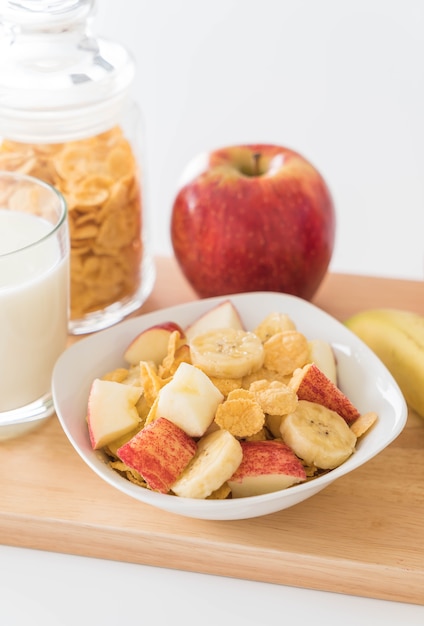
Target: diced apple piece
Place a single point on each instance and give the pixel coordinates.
(159, 452)
(223, 315)
(321, 353)
(189, 400)
(311, 384)
(266, 466)
(112, 447)
(152, 343)
(111, 411)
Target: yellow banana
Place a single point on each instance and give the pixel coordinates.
(397, 338)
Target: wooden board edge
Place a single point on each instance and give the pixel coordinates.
(266, 566)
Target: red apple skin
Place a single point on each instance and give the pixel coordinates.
(268, 457)
(147, 346)
(315, 386)
(234, 232)
(159, 452)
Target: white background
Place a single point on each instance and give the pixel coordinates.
(342, 83)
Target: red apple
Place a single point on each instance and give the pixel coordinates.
(251, 218)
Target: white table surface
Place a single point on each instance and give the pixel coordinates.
(45, 589)
(363, 126)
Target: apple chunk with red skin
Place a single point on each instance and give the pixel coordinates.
(223, 315)
(111, 411)
(159, 452)
(311, 384)
(250, 218)
(266, 466)
(152, 343)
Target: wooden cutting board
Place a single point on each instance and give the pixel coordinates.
(363, 535)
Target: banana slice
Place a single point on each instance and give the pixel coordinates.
(272, 324)
(318, 435)
(217, 457)
(227, 352)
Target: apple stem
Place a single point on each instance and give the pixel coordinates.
(256, 159)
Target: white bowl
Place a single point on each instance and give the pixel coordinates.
(362, 376)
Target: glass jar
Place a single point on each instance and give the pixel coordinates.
(68, 118)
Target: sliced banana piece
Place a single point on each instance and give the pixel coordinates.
(318, 435)
(272, 324)
(217, 457)
(227, 352)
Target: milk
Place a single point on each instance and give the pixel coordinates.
(33, 308)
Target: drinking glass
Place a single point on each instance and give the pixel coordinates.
(34, 298)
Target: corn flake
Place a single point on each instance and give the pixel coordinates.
(240, 414)
(152, 412)
(129, 473)
(274, 397)
(264, 374)
(363, 423)
(285, 351)
(178, 351)
(118, 376)
(150, 381)
(226, 385)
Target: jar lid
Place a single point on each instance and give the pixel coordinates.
(58, 82)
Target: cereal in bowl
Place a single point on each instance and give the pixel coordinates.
(226, 413)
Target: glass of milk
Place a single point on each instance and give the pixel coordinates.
(34, 298)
